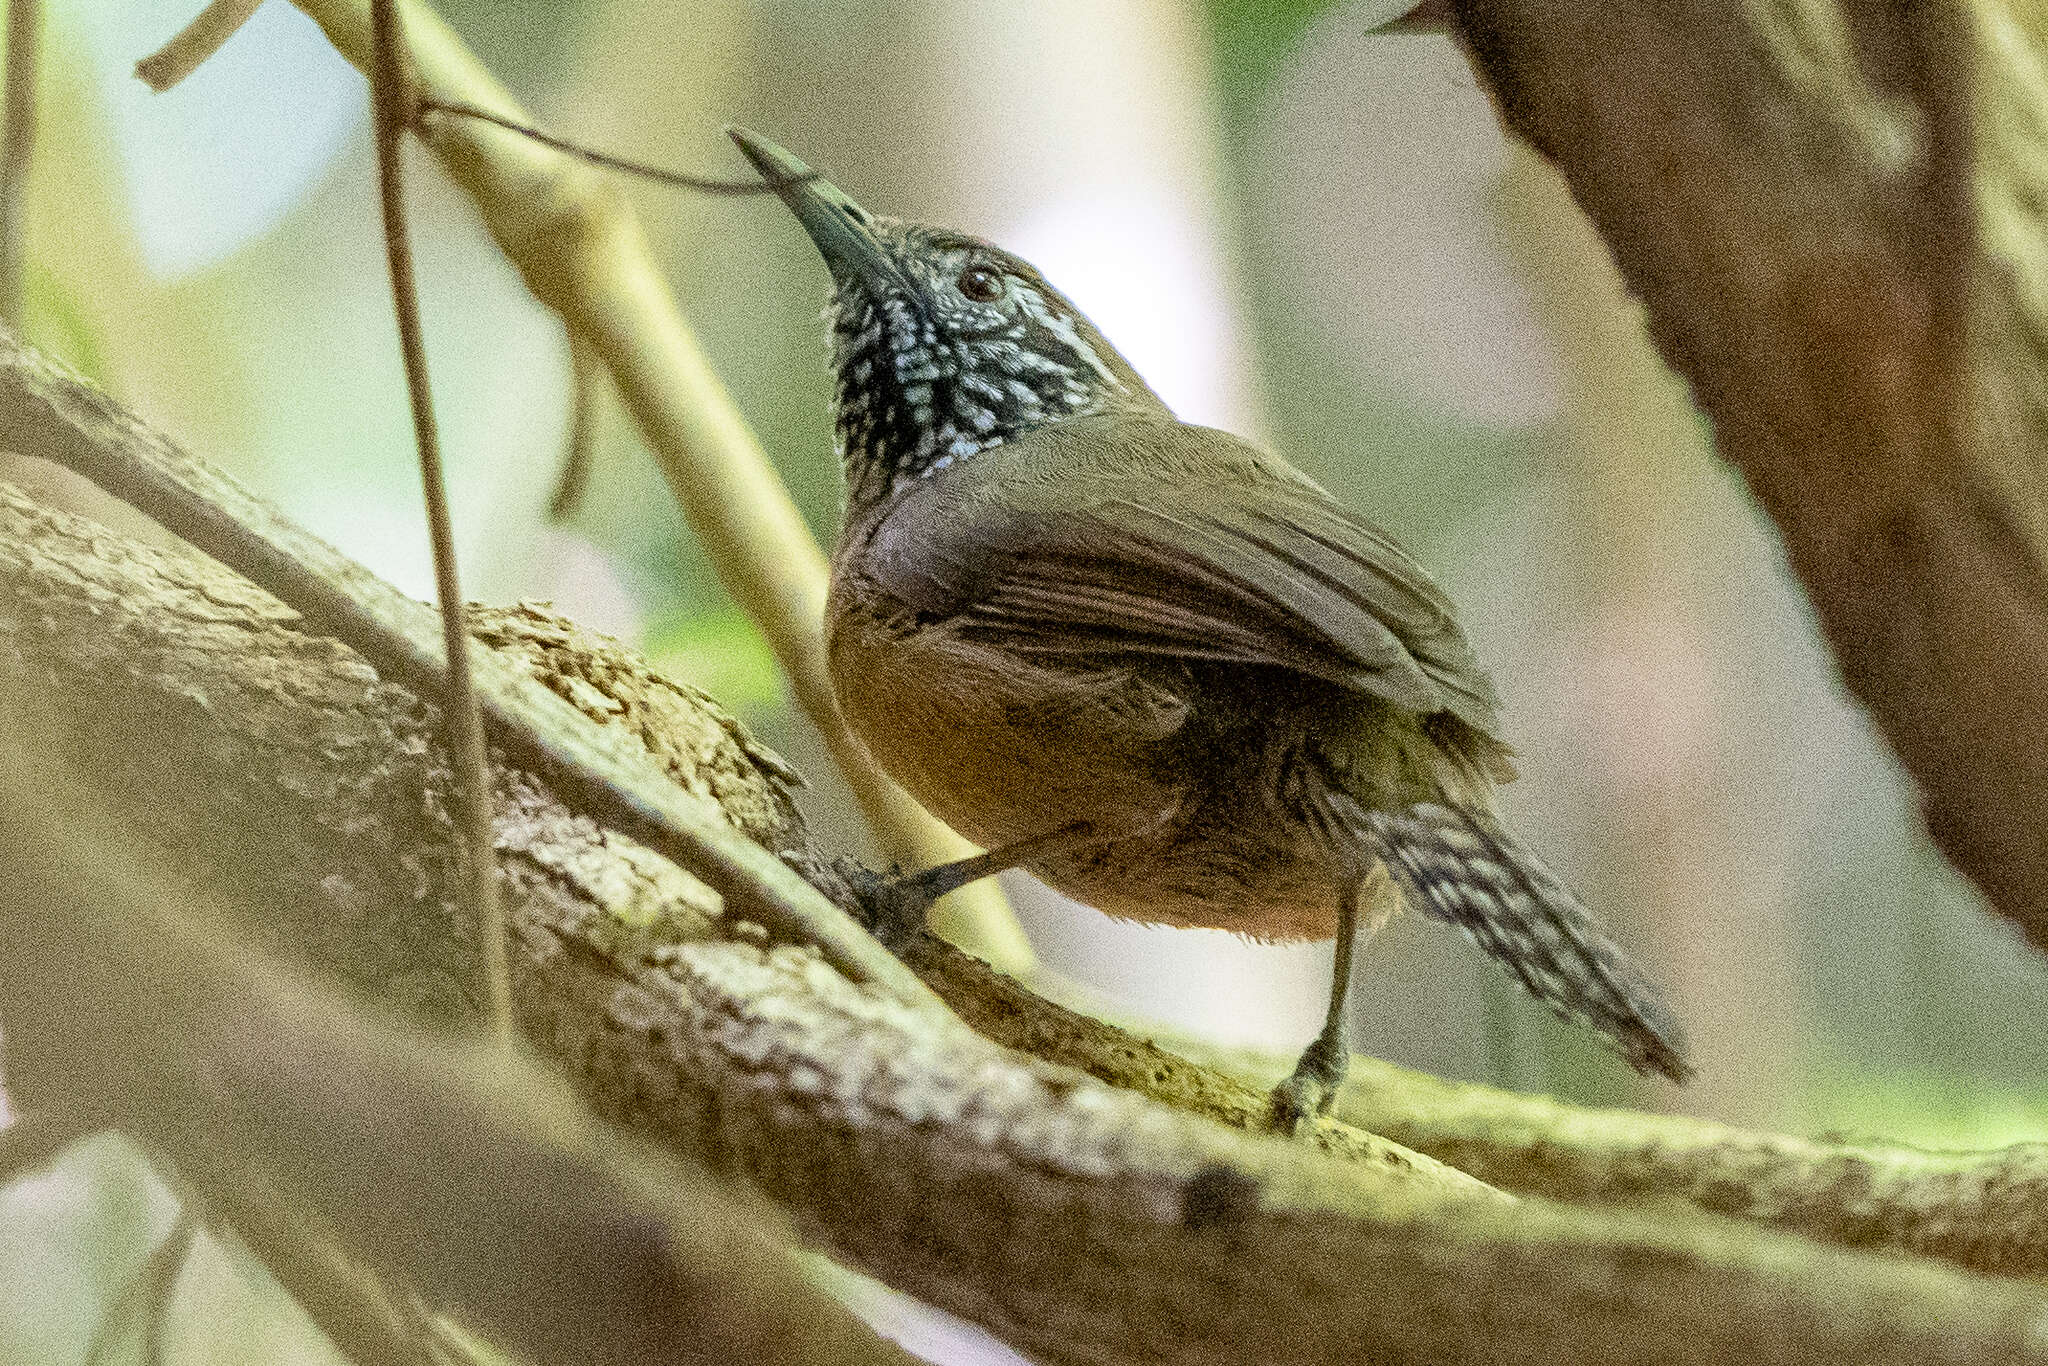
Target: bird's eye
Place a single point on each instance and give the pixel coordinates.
(983, 284)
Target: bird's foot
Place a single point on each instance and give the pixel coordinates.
(1311, 1088)
(893, 904)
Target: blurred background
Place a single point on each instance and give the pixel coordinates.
(1296, 227)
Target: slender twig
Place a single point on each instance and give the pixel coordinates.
(585, 373)
(194, 43)
(583, 254)
(391, 89)
(24, 22)
(610, 776)
(679, 179)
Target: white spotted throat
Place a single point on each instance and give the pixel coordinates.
(1149, 662)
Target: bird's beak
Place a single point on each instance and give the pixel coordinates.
(841, 229)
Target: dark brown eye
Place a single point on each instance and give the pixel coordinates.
(983, 284)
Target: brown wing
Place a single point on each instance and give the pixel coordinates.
(1190, 543)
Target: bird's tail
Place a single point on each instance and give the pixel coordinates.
(1461, 866)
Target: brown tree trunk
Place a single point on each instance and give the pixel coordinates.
(1833, 216)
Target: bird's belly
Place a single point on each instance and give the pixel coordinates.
(1252, 879)
(999, 747)
(1002, 748)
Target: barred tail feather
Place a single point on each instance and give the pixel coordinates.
(1461, 866)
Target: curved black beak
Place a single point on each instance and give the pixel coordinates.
(842, 230)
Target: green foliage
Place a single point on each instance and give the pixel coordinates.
(55, 323)
(1250, 40)
(719, 650)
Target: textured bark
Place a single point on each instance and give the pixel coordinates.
(354, 1153)
(1834, 213)
(1082, 1221)
(1987, 1211)
(47, 411)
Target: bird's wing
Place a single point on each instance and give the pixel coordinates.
(1191, 544)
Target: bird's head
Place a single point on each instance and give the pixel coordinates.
(943, 346)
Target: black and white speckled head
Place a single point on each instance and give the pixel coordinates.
(943, 346)
(961, 348)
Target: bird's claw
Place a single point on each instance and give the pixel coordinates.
(1309, 1090)
(1295, 1104)
(893, 905)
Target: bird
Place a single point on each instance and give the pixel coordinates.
(1149, 662)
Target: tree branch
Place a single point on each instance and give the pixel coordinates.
(1080, 1221)
(457, 1167)
(48, 412)
(189, 48)
(1986, 1211)
(1834, 215)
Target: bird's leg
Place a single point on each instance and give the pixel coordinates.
(1313, 1084)
(897, 905)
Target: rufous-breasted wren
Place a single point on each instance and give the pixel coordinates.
(1149, 662)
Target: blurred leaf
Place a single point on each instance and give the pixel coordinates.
(56, 324)
(721, 652)
(1251, 39)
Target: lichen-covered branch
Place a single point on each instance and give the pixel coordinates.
(1083, 1222)
(1832, 211)
(48, 412)
(1987, 1211)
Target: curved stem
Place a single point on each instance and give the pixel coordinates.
(392, 92)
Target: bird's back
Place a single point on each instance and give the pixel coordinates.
(1038, 631)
